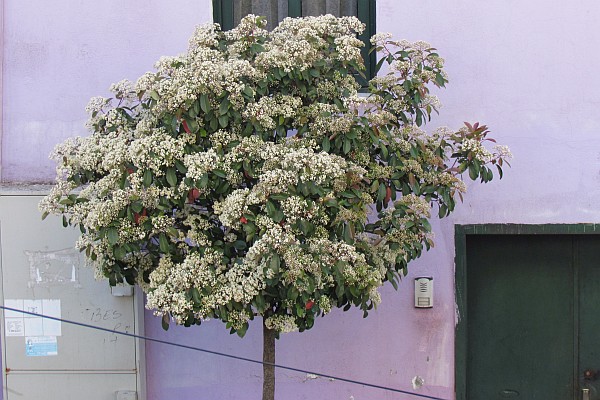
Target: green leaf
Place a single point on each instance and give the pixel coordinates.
(223, 121)
(271, 209)
(172, 231)
(204, 103)
(279, 196)
(214, 124)
(241, 332)
(499, 170)
(112, 235)
(203, 182)
(392, 279)
(292, 293)
(119, 252)
(379, 64)
(224, 106)
(384, 152)
(257, 47)
(443, 211)
(219, 173)
(259, 302)
(165, 322)
(223, 187)
(381, 192)
(347, 146)
(304, 226)
(196, 108)
(192, 111)
(163, 243)
(130, 279)
(239, 244)
(347, 234)
(171, 176)
(248, 91)
(249, 233)
(439, 79)
(275, 262)
(278, 216)
(180, 167)
(302, 188)
(326, 144)
(112, 279)
(196, 295)
(137, 206)
(331, 203)
(426, 224)
(147, 178)
(472, 172)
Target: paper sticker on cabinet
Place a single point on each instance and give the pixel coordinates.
(20, 324)
(41, 346)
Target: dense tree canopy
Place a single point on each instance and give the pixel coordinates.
(249, 176)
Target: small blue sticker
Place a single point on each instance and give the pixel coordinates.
(41, 346)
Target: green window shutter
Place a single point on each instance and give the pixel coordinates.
(223, 12)
(294, 8)
(366, 14)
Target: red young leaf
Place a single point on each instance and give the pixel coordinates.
(186, 127)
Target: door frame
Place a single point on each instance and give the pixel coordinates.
(460, 278)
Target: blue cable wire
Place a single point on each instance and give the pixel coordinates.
(424, 396)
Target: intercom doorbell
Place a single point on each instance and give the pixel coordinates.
(424, 292)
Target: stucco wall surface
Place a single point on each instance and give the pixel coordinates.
(59, 54)
(524, 68)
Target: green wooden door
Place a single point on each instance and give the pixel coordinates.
(533, 316)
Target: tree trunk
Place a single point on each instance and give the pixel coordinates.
(268, 369)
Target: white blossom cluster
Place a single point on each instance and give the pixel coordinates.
(198, 164)
(502, 151)
(267, 109)
(157, 150)
(124, 91)
(170, 282)
(477, 150)
(232, 208)
(281, 323)
(298, 42)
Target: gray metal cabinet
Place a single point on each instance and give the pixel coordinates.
(41, 271)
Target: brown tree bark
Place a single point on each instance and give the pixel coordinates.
(269, 360)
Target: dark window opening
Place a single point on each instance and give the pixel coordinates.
(228, 13)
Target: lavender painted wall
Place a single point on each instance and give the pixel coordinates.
(525, 68)
(59, 54)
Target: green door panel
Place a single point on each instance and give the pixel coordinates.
(521, 331)
(588, 259)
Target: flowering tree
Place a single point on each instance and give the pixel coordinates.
(247, 177)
